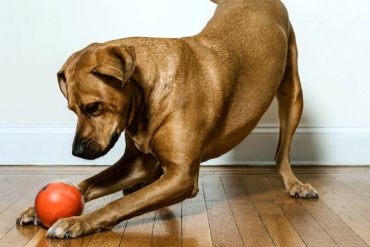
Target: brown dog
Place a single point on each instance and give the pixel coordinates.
(180, 102)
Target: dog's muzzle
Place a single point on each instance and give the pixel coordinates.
(86, 148)
(89, 149)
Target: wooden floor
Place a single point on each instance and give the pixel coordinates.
(235, 207)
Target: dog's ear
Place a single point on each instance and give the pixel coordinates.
(118, 62)
(62, 82)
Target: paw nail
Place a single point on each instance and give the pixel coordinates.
(50, 234)
(67, 235)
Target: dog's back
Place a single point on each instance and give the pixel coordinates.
(249, 22)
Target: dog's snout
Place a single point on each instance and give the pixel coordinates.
(85, 148)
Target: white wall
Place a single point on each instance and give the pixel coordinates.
(37, 36)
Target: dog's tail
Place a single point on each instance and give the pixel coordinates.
(215, 1)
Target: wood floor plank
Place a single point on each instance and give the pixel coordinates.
(350, 191)
(10, 182)
(21, 234)
(346, 209)
(194, 222)
(138, 231)
(108, 238)
(308, 229)
(339, 184)
(224, 230)
(21, 200)
(281, 231)
(8, 217)
(167, 227)
(10, 188)
(18, 190)
(112, 237)
(339, 231)
(250, 224)
(35, 241)
(359, 183)
(353, 186)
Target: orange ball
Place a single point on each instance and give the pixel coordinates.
(59, 199)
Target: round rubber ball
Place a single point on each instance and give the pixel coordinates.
(60, 199)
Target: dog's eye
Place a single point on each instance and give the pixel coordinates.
(93, 109)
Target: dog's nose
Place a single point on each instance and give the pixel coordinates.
(78, 148)
(86, 148)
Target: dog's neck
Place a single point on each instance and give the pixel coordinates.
(137, 107)
(154, 73)
(154, 78)
(146, 72)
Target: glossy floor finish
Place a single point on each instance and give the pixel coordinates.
(236, 206)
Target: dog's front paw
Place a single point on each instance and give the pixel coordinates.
(28, 216)
(300, 190)
(72, 227)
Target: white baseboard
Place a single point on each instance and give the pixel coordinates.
(311, 146)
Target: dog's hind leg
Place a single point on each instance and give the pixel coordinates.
(290, 105)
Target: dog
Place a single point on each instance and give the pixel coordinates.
(179, 102)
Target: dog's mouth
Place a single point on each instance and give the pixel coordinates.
(89, 149)
(114, 138)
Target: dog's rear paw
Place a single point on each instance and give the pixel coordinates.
(300, 190)
(27, 217)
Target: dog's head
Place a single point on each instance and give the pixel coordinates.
(94, 81)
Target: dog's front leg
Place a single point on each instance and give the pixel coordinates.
(124, 174)
(133, 168)
(174, 186)
(127, 172)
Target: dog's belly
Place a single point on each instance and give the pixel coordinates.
(251, 97)
(236, 127)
